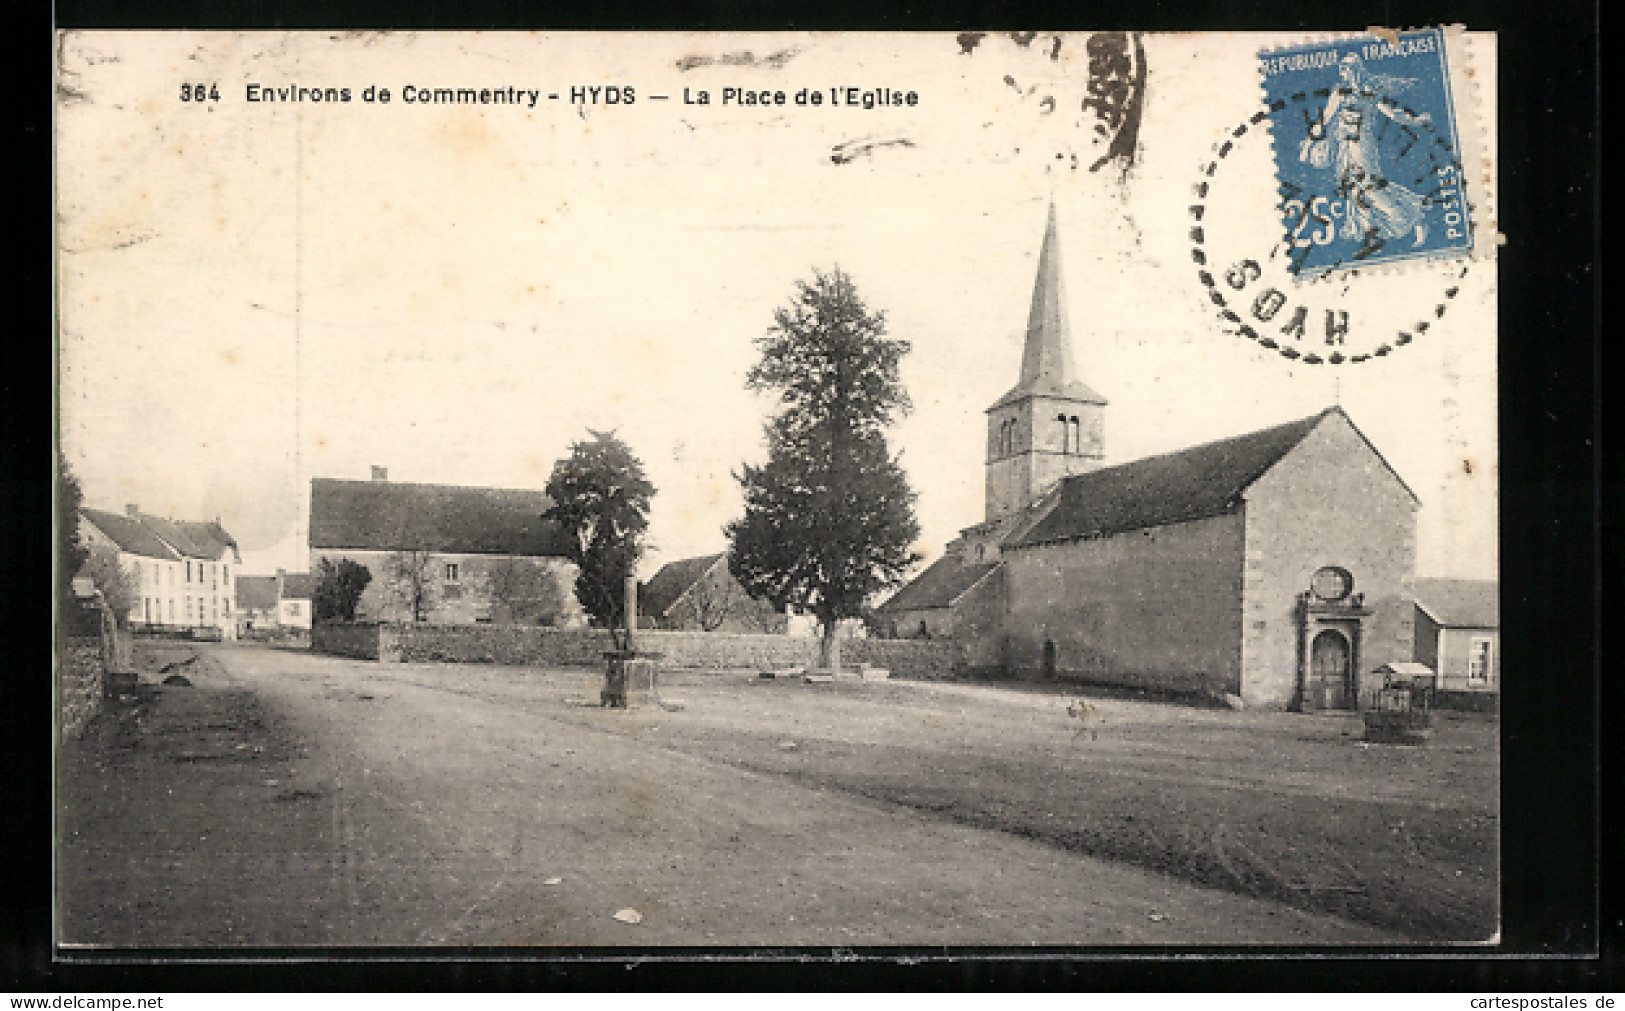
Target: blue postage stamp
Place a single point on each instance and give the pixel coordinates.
(1367, 157)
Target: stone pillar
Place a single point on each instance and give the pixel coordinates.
(631, 611)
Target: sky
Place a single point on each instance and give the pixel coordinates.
(252, 294)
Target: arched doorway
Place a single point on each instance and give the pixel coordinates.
(1330, 686)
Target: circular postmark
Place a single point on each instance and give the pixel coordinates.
(1296, 268)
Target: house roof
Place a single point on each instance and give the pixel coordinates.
(1468, 603)
(1192, 484)
(298, 586)
(395, 516)
(129, 534)
(943, 582)
(192, 539)
(672, 581)
(256, 593)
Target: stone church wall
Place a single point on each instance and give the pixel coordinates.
(1157, 608)
(1331, 501)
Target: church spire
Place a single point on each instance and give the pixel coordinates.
(1047, 359)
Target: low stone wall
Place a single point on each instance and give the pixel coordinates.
(355, 639)
(916, 659)
(520, 645)
(1467, 701)
(517, 645)
(82, 682)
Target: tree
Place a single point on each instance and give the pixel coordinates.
(117, 582)
(601, 502)
(70, 551)
(413, 581)
(526, 590)
(829, 520)
(339, 588)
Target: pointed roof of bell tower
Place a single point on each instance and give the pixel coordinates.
(1046, 361)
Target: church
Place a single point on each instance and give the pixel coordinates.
(1276, 566)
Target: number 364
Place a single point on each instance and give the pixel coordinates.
(200, 93)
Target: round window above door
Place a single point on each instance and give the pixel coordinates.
(1331, 583)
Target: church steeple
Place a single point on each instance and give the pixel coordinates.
(1049, 424)
(1046, 359)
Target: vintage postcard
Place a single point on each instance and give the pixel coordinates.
(606, 492)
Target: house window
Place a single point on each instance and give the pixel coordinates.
(1075, 428)
(188, 571)
(1480, 660)
(451, 572)
(171, 607)
(293, 608)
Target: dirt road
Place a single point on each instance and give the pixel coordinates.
(286, 799)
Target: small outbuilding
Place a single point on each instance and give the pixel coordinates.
(1458, 632)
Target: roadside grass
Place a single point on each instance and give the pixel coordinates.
(1282, 806)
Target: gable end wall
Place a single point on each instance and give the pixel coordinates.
(1331, 501)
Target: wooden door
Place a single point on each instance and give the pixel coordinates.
(1329, 670)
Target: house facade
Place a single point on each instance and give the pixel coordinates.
(1458, 632)
(183, 570)
(1277, 566)
(295, 596)
(445, 554)
(256, 604)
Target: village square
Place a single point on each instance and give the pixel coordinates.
(849, 599)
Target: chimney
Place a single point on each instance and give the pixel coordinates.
(280, 573)
(380, 473)
(131, 509)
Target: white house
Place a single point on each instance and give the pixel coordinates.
(182, 569)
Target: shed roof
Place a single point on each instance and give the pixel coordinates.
(129, 534)
(672, 581)
(1462, 603)
(298, 586)
(943, 582)
(256, 593)
(395, 516)
(1190, 484)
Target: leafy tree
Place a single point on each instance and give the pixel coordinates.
(339, 588)
(413, 581)
(70, 551)
(829, 520)
(526, 590)
(117, 582)
(601, 501)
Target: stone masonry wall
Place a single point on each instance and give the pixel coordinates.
(357, 640)
(521, 645)
(82, 682)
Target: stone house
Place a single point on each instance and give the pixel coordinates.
(256, 604)
(1458, 632)
(1277, 566)
(469, 555)
(700, 594)
(182, 568)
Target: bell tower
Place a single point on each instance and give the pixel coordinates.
(1049, 425)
